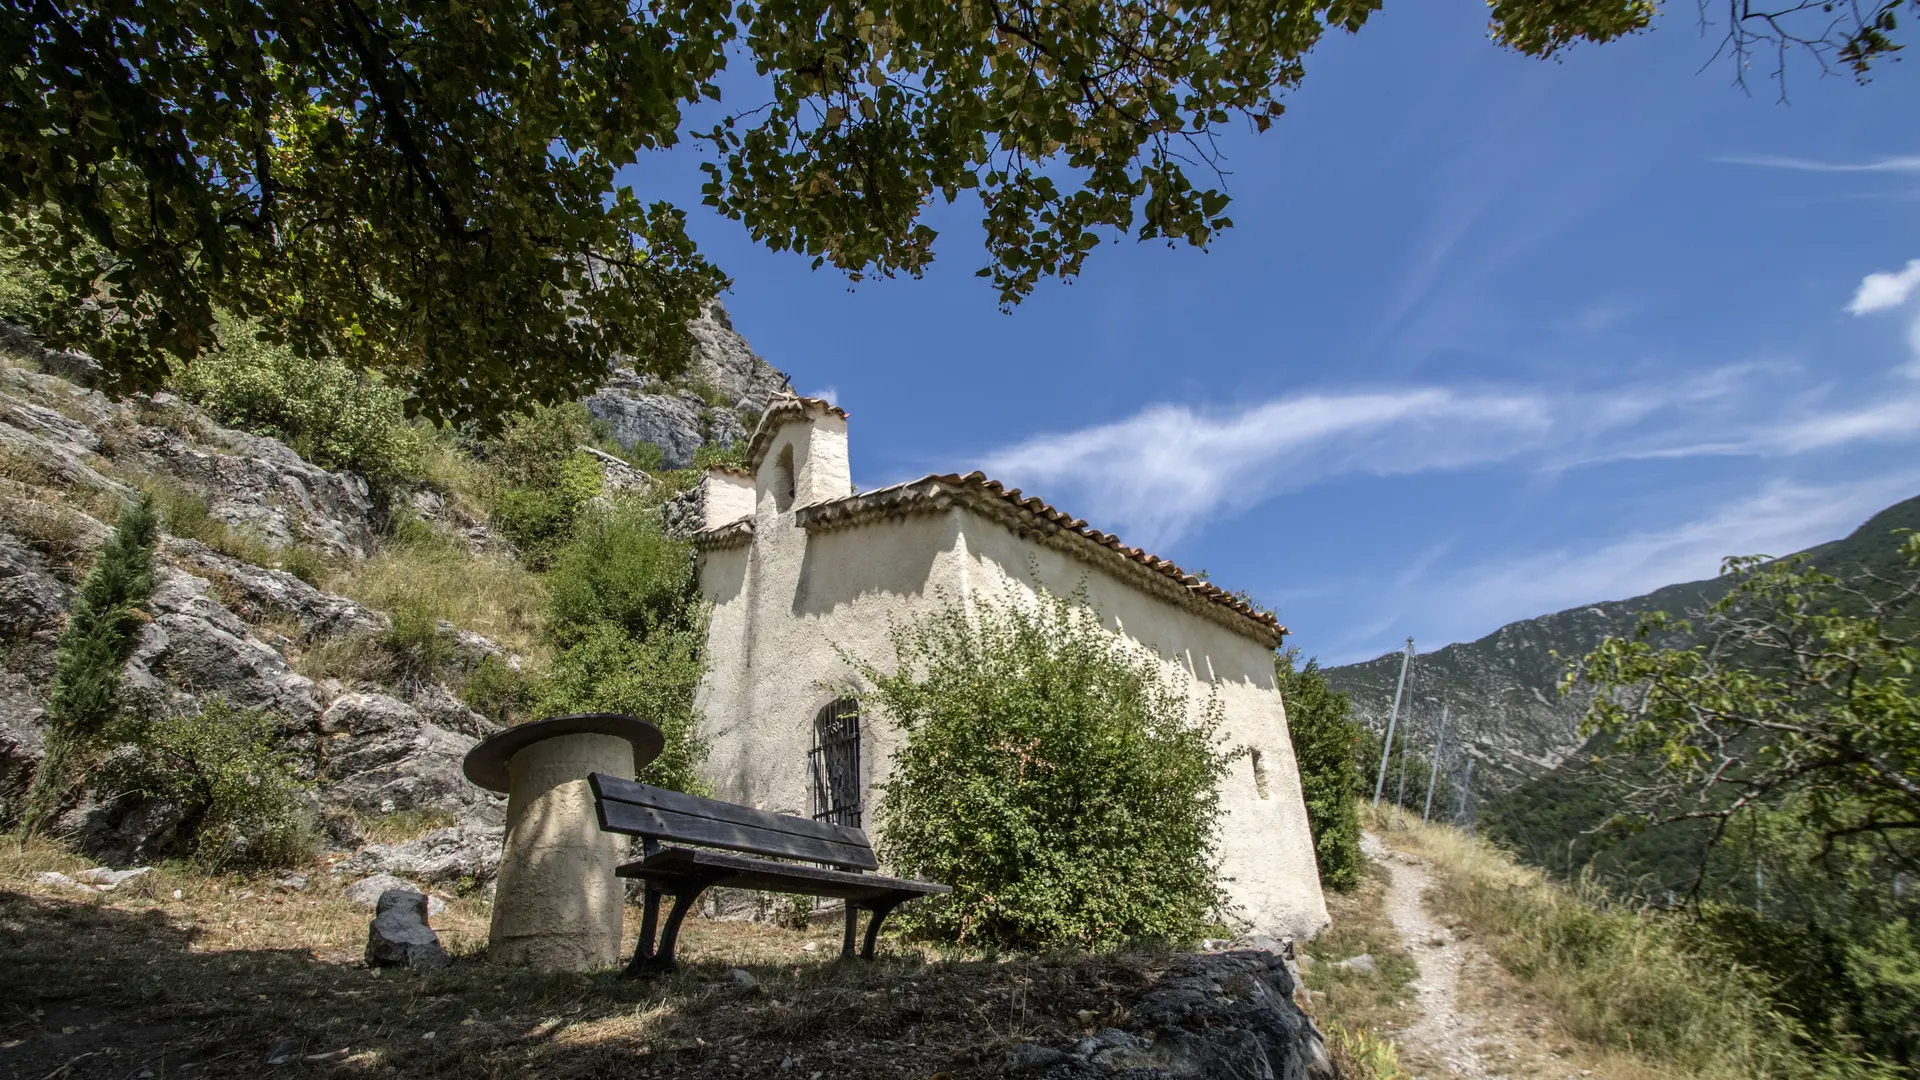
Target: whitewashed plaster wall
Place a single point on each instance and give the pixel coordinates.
(791, 609)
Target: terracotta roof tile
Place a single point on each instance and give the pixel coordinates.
(783, 407)
(939, 491)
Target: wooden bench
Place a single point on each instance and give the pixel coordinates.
(660, 817)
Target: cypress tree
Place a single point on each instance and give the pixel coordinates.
(101, 629)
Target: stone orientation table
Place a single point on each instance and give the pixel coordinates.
(557, 905)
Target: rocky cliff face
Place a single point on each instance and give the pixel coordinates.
(218, 625)
(716, 402)
(221, 625)
(1504, 688)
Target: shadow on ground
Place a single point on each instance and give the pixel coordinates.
(89, 989)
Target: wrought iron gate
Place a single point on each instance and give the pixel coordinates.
(835, 763)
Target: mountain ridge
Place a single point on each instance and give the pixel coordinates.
(1503, 688)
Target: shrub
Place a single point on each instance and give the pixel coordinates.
(531, 446)
(605, 670)
(1325, 739)
(627, 617)
(1053, 774)
(542, 483)
(539, 519)
(333, 415)
(497, 691)
(621, 569)
(223, 771)
(101, 630)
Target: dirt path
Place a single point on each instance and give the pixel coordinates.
(1445, 1034)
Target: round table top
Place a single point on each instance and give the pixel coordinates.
(486, 763)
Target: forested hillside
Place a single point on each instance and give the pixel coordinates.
(1504, 688)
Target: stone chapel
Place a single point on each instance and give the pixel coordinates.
(800, 566)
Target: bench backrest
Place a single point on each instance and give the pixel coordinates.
(627, 806)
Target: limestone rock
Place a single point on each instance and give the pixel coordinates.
(437, 703)
(106, 878)
(444, 856)
(731, 380)
(255, 592)
(33, 603)
(679, 423)
(381, 756)
(74, 367)
(1362, 963)
(125, 829)
(57, 879)
(368, 891)
(400, 936)
(196, 645)
(261, 486)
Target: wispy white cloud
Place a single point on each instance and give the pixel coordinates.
(828, 394)
(1901, 164)
(1884, 291)
(1169, 469)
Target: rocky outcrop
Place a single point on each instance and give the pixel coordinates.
(443, 856)
(255, 593)
(195, 646)
(33, 603)
(71, 438)
(1228, 1014)
(725, 386)
(380, 756)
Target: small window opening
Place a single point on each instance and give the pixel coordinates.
(783, 480)
(835, 763)
(1259, 774)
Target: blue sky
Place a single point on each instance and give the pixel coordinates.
(1491, 337)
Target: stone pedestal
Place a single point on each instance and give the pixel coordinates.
(557, 905)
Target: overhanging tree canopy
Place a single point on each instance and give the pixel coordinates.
(428, 188)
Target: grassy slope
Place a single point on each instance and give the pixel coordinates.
(1618, 980)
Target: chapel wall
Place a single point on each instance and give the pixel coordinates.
(1266, 847)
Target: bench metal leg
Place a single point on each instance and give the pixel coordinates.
(649, 920)
(880, 909)
(649, 957)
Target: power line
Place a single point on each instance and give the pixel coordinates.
(1393, 719)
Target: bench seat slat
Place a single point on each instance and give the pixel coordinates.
(741, 872)
(632, 791)
(708, 832)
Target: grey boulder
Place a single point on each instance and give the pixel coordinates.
(400, 936)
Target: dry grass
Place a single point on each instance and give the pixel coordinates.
(435, 576)
(1360, 1001)
(207, 984)
(1631, 985)
(404, 825)
(66, 536)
